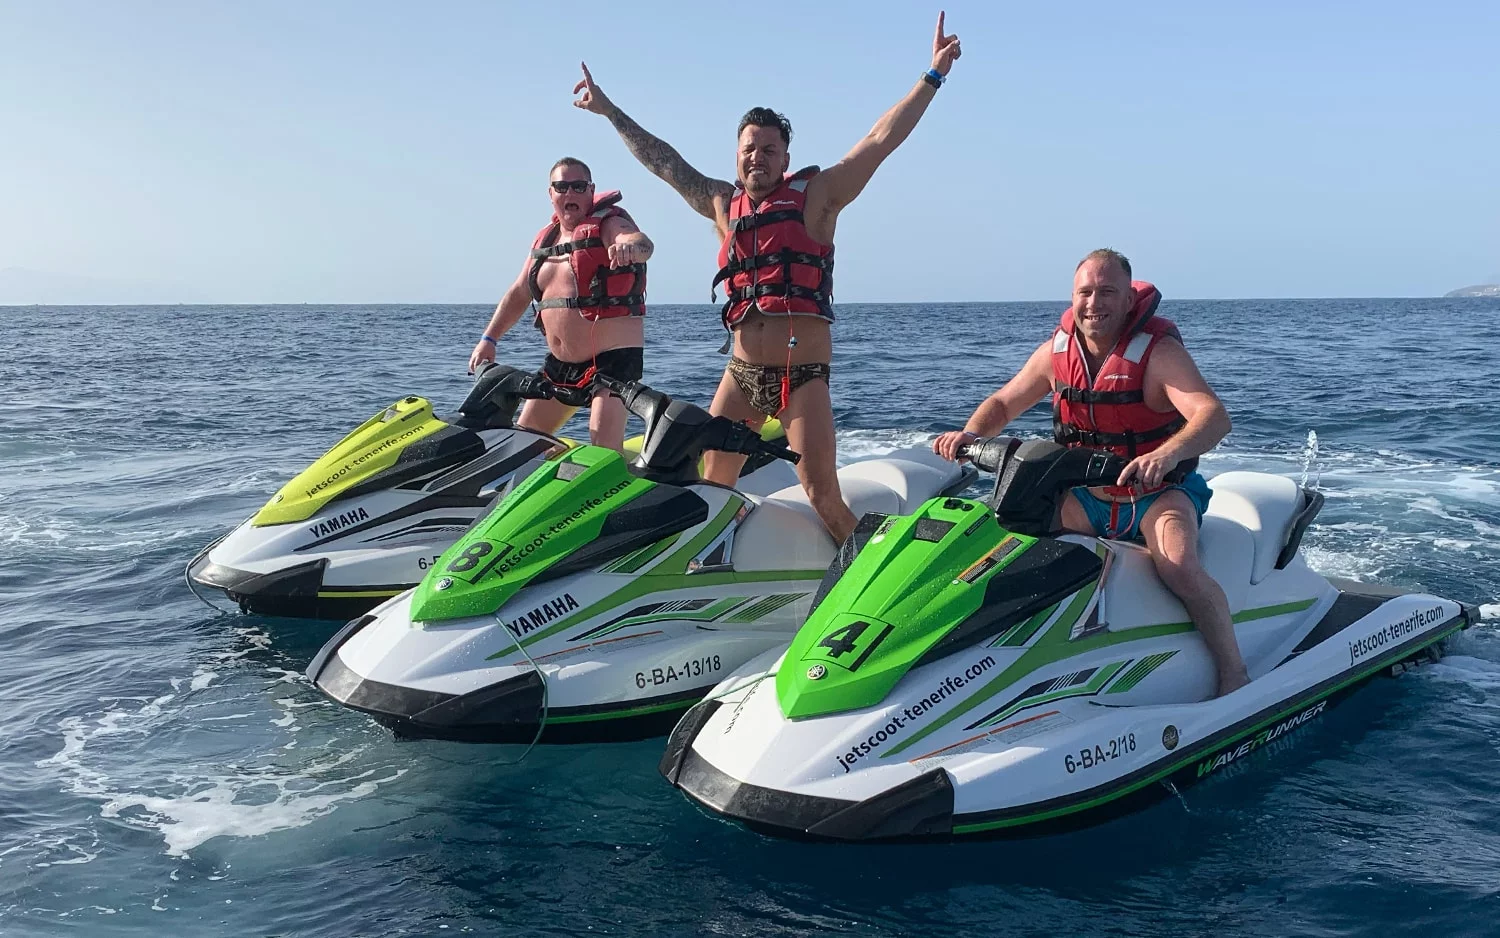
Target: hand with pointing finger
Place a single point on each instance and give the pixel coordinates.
(593, 100)
(945, 50)
(625, 253)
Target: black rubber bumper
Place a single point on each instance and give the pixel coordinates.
(292, 592)
(510, 711)
(919, 808)
(507, 712)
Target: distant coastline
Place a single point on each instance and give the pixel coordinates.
(1484, 289)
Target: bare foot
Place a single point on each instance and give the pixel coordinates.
(1229, 683)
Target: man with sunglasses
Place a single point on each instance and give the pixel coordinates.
(776, 265)
(586, 275)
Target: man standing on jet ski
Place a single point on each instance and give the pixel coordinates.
(776, 264)
(1121, 380)
(586, 273)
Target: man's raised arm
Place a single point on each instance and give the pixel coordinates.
(707, 196)
(842, 182)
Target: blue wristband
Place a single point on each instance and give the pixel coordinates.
(485, 338)
(933, 78)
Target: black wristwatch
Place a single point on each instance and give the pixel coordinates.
(932, 78)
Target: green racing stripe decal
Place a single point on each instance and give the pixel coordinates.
(1054, 645)
(1162, 769)
(673, 576)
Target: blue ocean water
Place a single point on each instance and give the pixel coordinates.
(167, 770)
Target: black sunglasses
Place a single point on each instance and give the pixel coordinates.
(577, 185)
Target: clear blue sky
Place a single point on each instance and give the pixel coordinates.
(385, 152)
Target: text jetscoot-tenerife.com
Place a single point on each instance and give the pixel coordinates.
(916, 711)
(1375, 641)
(361, 459)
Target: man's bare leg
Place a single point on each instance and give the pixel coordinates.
(729, 401)
(544, 416)
(607, 416)
(1171, 533)
(1170, 528)
(808, 422)
(1072, 517)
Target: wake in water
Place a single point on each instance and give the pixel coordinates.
(279, 776)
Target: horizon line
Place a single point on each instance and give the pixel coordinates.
(487, 303)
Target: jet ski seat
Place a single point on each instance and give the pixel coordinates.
(1268, 506)
(1225, 549)
(1247, 526)
(783, 532)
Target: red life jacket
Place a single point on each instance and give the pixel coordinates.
(1109, 411)
(611, 293)
(770, 260)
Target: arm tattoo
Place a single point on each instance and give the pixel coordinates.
(699, 190)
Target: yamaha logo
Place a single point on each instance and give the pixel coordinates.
(816, 672)
(444, 583)
(1169, 737)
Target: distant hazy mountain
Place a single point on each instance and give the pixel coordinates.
(20, 286)
(1484, 289)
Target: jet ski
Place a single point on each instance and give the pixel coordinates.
(367, 520)
(965, 672)
(599, 599)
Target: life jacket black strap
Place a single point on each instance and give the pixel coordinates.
(823, 300)
(583, 302)
(782, 258)
(566, 247)
(793, 290)
(756, 219)
(1085, 396)
(1069, 434)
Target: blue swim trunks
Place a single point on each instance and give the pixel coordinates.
(1122, 520)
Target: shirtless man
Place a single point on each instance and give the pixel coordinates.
(776, 264)
(1122, 380)
(587, 275)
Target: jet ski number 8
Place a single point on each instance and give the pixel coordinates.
(480, 551)
(1088, 758)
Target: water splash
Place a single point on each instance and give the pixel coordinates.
(1310, 464)
(1167, 783)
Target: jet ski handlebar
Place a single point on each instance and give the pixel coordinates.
(678, 432)
(640, 399)
(740, 438)
(988, 454)
(1032, 476)
(1086, 467)
(497, 394)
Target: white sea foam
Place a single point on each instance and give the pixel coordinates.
(864, 444)
(260, 792)
(1471, 670)
(214, 807)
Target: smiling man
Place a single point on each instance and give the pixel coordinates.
(1121, 380)
(586, 273)
(776, 266)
